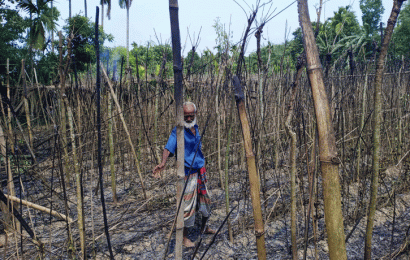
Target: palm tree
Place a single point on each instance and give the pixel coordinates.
(127, 4)
(45, 19)
(108, 3)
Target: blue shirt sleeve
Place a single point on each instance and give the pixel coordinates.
(172, 141)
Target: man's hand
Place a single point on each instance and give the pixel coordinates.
(156, 173)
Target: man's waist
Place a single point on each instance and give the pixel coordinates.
(191, 170)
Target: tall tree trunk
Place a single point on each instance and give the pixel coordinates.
(179, 98)
(52, 31)
(327, 145)
(253, 175)
(377, 117)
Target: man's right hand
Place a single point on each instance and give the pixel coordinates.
(156, 173)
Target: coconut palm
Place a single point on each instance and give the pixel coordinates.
(108, 3)
(127, 4)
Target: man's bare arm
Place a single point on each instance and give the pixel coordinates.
(157, 170)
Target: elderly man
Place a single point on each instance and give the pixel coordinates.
(196, 196)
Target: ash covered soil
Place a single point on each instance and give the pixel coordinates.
(139, 227)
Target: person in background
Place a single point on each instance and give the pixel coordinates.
(196, 197)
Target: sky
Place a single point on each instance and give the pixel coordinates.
(149, 19)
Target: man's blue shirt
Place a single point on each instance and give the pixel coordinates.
(191, 145)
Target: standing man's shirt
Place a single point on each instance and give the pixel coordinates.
(192, 144)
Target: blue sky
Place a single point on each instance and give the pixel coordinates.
(195, 15)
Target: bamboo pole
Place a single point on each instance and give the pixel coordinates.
(327, 145)
(377, 118)
(7, 216)
(10, 128)
(9, 141)
(40, 208)
(26, 106)
(98, 104)
(112, 156)
(359, 144)
(253, 175)
(292, 156)
(63, 118)
(228, 146)
(179, 98)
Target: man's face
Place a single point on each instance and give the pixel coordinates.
(189, 114)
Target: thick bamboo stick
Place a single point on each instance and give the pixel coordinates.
(327, 145)
(253, 175)
(179, 98)
(40, 208)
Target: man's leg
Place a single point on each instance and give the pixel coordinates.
(186, 241)
(190, 198)
(204, 228)
(204, 207)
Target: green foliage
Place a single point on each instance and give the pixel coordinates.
(150, 57)
(340, 35)
(12, 28)
(337, 37)
(271, 56)
(83, 42)
(372, 11)
(222, 41)
(47, 68)
(401, 36)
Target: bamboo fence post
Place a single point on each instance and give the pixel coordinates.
(253, 175)
(377, 118)
(327, 144)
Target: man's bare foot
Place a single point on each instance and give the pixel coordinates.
(188, 243)
(209, 231)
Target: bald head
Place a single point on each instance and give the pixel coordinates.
(189, 114)
(189, 107)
